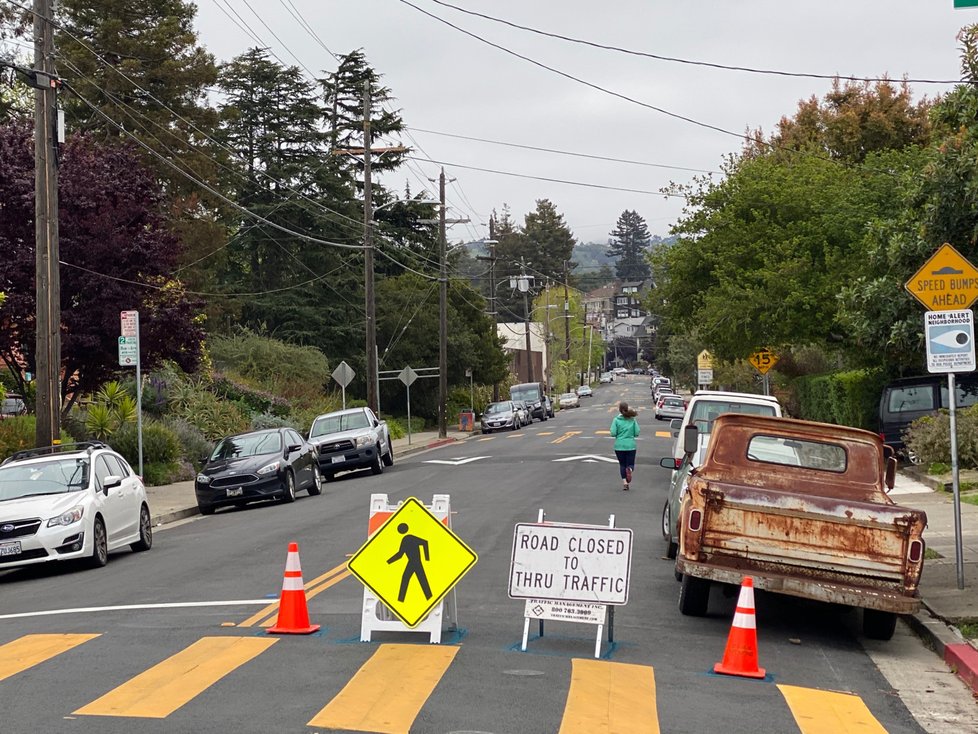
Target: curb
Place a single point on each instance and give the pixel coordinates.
(948, 644)
(924, 478)
(181, 514)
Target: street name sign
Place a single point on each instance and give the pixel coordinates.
(343, 374)
(950, 339)
(569, 562)
(946, 282)
(763, 360)
(966, 3)
(412, 562)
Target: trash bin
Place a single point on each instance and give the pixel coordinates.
(466, 420)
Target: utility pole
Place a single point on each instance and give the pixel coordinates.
(442, 313)
(567, 351)
(370, 306)
(492, 286)
(47, 354)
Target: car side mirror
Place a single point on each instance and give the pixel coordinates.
(204, 458)
(691, 439)
(111, 481)
(889, 478)
(295, 447)
(670, 463)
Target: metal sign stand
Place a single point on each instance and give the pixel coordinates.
(376, 617)
(344, 375)
(602, 618)
(407, 376)
(955, 483)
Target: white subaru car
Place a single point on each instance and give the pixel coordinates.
(75, 501)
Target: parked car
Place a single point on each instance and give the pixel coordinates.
(605, 378)
(661, 391)
(705, 406)
(523, 413)
(585, 391)
(670, 406)
(12, 405)
(549, 405)
(351, 439)
(569, 400)
(270, 464)
(534, 394)
(905, 400)
(73, 501)
(500, 416)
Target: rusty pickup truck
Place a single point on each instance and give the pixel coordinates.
(803, 508)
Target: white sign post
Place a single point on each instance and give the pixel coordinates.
(570, 572)
(344, 375)
(950, 338)
(129, 357)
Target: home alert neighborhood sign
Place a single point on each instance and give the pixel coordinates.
(950, 339)
(412, 562)
(571, 563)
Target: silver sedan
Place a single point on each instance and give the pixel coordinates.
(670, 406)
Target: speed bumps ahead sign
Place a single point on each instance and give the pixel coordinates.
(412, 562)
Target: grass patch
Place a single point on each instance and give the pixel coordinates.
(937, 469)
(931, 555)
(971, 499)
(968, 627)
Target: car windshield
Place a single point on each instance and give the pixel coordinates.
(336, 423)
(529, 393)
(707, 411)
(494, 408)
(59, 476)
(250, 444)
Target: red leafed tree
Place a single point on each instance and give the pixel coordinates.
(116, 252)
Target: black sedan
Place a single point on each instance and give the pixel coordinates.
(259, 465)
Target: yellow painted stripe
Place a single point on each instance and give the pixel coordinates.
(387, 693)
(610, 698)
(30, 650)
(515, 435)
(546, 433)
(161, 690)
(273, 607)
(310, 594)
(569, 434)
(663, 434)
(828, 712)
(602, 433)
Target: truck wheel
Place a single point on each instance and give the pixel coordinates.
(694, 596)
(671, 547)
(879, 625)
(377, 466)
(389, 456)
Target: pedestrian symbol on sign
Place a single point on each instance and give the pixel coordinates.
(411, 546)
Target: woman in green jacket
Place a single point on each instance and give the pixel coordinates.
(624, 429)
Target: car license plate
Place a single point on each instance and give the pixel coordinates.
(236, 492)
(10, 549)
(339, 459)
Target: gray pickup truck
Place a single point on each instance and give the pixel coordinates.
(351, 439)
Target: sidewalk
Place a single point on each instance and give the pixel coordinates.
(945, 607)
(171, 502)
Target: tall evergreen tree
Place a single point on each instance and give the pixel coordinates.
(629, 243)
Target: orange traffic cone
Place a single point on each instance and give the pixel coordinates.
(740, 657)
(293, 616)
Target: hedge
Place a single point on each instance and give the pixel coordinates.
(848, 398)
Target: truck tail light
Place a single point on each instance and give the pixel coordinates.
(916, 551)
(695, 520)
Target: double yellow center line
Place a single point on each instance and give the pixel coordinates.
(266, 616)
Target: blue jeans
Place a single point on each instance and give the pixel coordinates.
(625, 459)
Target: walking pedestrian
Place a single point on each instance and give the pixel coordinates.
(624, 429)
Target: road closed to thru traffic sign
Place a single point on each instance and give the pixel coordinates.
(583, 563)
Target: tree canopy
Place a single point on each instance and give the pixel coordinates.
(629, 244)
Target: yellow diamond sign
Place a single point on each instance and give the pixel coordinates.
(704, 361)
(946, 282)
(412, 562)
(763, 360)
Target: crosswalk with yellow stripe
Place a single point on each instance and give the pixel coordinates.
(603, 697)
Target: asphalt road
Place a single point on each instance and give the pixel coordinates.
(141, 669)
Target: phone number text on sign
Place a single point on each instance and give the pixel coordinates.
(584, 563)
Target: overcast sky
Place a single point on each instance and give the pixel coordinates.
(448, 82)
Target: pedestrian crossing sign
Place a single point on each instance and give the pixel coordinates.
(412, 562)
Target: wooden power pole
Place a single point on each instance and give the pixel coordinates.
(567, 349)
(47, 354)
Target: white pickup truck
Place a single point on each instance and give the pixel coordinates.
(351, 439)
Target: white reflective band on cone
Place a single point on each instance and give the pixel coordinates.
(293, 583)
(292, 562)
(746, 598)
(744, 621)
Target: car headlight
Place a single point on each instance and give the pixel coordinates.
(68, 517)
(270, 468)
(364, 441)
(203, 479)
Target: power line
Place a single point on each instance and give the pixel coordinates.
(726, 67)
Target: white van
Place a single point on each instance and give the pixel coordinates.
(706, 405)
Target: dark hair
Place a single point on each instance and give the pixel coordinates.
(625, 410)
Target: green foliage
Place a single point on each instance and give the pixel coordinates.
(848, 398)
(161, 445)
(111, 394)
(255, 401)
(929, 438)
(628, 244)
(17, 434)
(156, 474)
(260, 421)
(193, 444)
(115, 408)
(395, 428)
(213, 417)
(100, 422)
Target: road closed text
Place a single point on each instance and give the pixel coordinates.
(571, 563)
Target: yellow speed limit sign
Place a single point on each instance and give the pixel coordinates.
(763, 360)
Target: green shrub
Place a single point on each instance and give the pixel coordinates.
(193, 444)
(17, 434)
(276, 366)
(254, 401)
(213, 417)
(848, 398)
(268, 420)
(160, 444)
(356, 403)
(395, 428)
(929, 438)
(156, 474)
